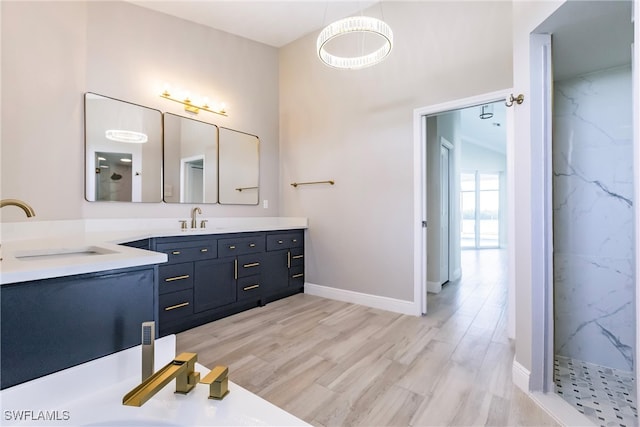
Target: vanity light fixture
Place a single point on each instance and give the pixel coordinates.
(355, 25)
(125, 160)
(192, 107)
(126, 136)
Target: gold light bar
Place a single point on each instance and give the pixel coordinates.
(191, 107)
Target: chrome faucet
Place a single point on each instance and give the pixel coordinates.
(194, 211)
(28, 210)
(182, 369)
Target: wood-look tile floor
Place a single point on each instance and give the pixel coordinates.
(332, 363)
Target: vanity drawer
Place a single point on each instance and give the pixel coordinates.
(296, 257)
(175, 277)
(296, 276)
(176, 305)
(249, 288)
(187, 251)
(285, 241)
(248, 265)
(240, 246)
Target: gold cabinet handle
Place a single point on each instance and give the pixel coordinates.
(252, 245)
(253, 264)
(232, 247)
(295, 240)
(280, 242)
(295, 276)
(248, 288)
(173, 307)
(204, 250)
(298, 256)
(288, 259)
(235, 268)
(175, 253)
(171, 279)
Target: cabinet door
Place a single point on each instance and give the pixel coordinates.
(214, 284)
(275, 271)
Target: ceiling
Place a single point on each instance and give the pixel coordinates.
(488, 133)
(266, 21)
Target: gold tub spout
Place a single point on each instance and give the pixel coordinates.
(28, 210)
(182, 368)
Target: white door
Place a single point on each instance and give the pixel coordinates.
(445, 197)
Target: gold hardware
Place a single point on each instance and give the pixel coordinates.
(182, 368)
(245, 188)
(295, 240)
(248, 288)
(175, 253)
(235, 268)
(518, 100)
(252, 245)
(298, 256)
(173, 307)
(295, 184)
(218, 381)
(295, 276)
(183, 224)
(288, 259)
(253, 264)
(204, 250)
(171, 279)
(203, 223)
(28, 210)
(232, 247)
(280, 242)
(193, 108)
(194, 213)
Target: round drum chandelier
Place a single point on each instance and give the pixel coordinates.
(352, 26)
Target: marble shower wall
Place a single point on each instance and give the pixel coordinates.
(593, 218)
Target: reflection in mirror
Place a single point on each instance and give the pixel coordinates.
(190, 160)
(123, 151)
(239, 167)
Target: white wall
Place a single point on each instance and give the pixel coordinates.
(527, 15)
(53, 52)
(356, 127)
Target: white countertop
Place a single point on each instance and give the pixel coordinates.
(91, 394)
(46, 249)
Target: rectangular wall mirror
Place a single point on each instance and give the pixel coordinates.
(123, 151)
(190, 160)
(239, 167)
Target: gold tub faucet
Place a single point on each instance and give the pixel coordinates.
(182, 368)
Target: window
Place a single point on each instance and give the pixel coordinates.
(480, 207)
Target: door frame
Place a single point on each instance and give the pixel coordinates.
(448, 146)
(420, 195)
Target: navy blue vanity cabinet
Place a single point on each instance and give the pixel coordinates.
(283, 268)
(53, 324)
(209, 277)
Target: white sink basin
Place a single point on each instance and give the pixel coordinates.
(57, 253)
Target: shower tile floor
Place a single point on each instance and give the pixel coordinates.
(605, 395)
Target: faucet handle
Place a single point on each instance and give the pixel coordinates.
(218, 381)
(183, 224)
(203, 223)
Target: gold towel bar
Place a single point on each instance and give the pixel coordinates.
(245, 188)
(295, 184)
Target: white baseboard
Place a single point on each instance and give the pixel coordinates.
(556, 407)
(520, 376)
(434, 287)
(374, 301)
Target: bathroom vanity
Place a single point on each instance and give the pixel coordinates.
(213, 276)
(70, 299)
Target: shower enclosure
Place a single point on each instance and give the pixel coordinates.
(593, 221)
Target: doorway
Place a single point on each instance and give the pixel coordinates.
(438, 213)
